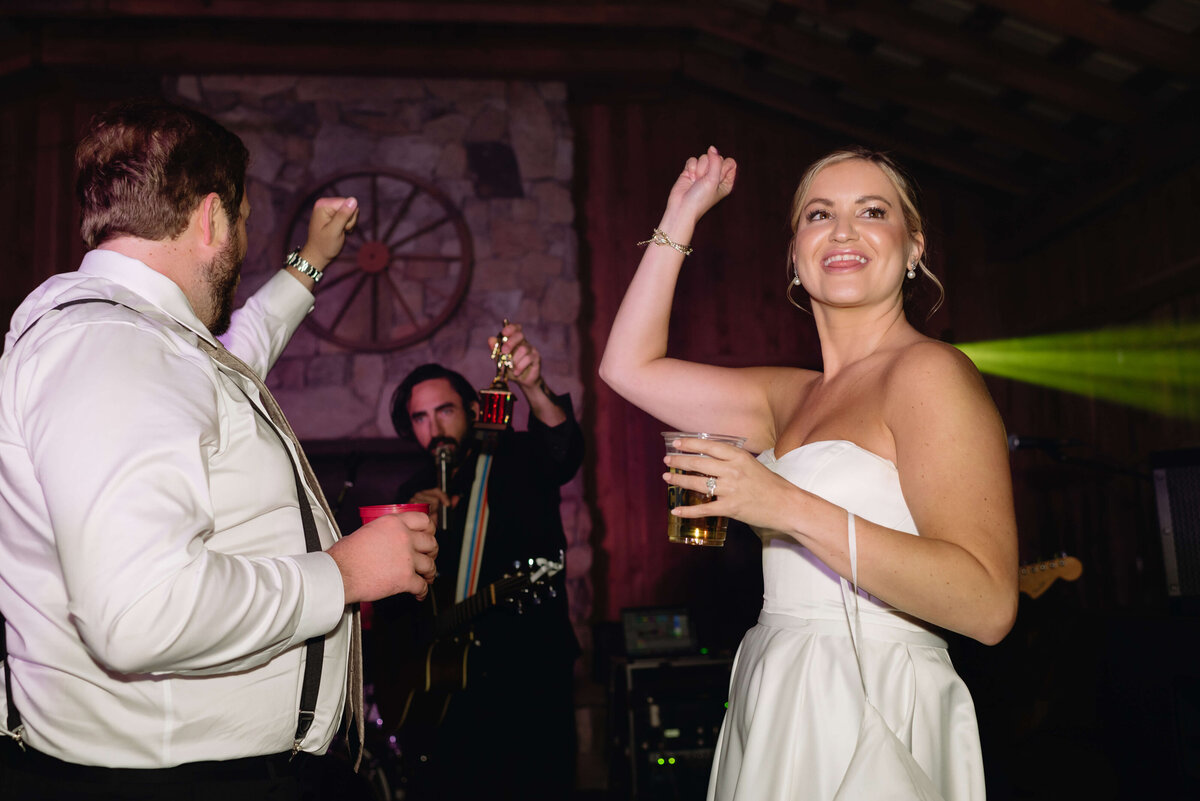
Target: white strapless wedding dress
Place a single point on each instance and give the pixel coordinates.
(796, 698)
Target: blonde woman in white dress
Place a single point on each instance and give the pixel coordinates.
(897, 430)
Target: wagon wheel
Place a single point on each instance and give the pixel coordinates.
(405, 266)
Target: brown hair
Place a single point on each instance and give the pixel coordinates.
(905, 187)
(427, 372)
(145, 165)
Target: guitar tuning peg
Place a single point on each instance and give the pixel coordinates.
(516, 565)
(551, 592)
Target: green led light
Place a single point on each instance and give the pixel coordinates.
(704, 651)
(1156, 368)
(662, 761)
(671, 760)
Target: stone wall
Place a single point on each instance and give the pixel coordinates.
(501, 152)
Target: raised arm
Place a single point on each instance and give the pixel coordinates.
(332, 218)
(262, 328)
(686, 395)
(527, 374)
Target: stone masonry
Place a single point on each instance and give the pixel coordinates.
(502, 152)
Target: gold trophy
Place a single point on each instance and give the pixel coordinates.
(496, 401)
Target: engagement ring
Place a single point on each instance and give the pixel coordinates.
(711, 486)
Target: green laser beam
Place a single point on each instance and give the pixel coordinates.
(1151, 367)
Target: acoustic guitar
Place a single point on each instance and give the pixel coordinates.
(440, 669)
(1036, 577)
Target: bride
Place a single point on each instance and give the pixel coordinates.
(894, 448)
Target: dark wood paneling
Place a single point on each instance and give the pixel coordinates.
(1135, 265)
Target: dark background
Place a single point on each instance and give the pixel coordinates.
(1055, 145)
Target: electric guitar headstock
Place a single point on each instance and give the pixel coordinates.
(1036, 577)
(534, 575)
(527, 579)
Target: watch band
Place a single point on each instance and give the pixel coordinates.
(294, 259)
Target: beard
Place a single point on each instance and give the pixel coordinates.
(221, 277)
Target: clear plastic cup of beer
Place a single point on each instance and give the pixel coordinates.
(709, 530)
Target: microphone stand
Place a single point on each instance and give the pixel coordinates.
(444, 453)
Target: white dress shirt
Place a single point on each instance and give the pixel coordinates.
(152, 558)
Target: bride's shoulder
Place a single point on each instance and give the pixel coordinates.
(934, 373)
(930, 358)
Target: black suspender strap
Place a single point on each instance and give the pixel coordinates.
(61, 306)
(13, 724)
(314, 653)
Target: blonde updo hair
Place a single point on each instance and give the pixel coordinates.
(905, 188)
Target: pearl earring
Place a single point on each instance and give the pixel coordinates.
(796, 281)
(912, 270)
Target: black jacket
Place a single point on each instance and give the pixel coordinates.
(527, 471)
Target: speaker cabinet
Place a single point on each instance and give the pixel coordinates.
(666, 715)
(1177, 494)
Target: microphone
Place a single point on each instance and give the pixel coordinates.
(443, 451)
(1017, 442)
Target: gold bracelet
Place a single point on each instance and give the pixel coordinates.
(659, 238)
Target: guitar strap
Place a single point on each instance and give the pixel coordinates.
(474, 530)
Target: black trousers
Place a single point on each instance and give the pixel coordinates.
(31, 775)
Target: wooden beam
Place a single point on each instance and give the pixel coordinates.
(957, 106)
(875, 78)
(1164, 143)
(1128, 35)
(788, 97)
(932, 38)
(478, 12)
(314, 48)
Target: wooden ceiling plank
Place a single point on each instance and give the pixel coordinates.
(932, 38)
(955, 105)
(547, 12)
(196, 51)
(880, 80)
(1159, 145)
(789, 98)
(1125, 34)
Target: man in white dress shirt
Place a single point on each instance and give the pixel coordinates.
(163, 561)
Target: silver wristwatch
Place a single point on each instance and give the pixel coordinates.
(294, 259)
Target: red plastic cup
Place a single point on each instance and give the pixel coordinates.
(370, 513)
